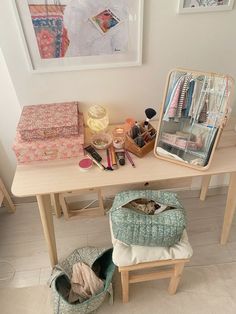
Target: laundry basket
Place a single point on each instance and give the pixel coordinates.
(88, 255)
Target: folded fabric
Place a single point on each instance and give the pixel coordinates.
(148, 207)
(84, 283)
(162, 152)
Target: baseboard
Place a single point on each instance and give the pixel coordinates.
(212, 191)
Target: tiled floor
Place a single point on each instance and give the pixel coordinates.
(211, 271)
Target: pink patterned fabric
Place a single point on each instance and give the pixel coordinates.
(49, 120)
(49, 29)
(175, 100)
(50, 149)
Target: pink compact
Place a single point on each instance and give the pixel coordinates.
(85, 164)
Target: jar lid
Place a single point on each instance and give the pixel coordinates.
(97, 112)
(85, 164)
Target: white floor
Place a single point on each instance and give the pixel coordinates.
(210, 277)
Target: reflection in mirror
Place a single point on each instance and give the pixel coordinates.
(195, 107)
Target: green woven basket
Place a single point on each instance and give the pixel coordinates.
(133, 228)
(88, 255)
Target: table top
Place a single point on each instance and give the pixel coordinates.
(62, 176)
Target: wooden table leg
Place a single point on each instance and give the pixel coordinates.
(229, 209)
(48, 228)
(7, 200)
(56, 204)
(204, 188)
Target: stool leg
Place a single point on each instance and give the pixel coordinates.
(125, 286)
(175, 279)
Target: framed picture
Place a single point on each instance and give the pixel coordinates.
(195, 6)
(64, 35)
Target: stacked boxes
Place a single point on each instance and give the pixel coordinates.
(48, 132)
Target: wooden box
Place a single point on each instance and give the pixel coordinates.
(50, 148)
(148, 137)
(39, 122)
(195, 109)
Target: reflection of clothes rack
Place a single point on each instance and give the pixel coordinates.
(195, 110)
(192, 96)
(189, 100)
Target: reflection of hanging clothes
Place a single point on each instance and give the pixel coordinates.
(204, 112)
(196, 94)
(171, 112)
(189, 98)
(182, 100)
(172, 97)
(174, 81)
(182, 97)
(203, 115)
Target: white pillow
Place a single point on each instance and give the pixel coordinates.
(126, 255)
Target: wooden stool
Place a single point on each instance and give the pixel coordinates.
(85, 212)
(174, 273)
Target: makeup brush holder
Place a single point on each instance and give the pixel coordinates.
(141, 142)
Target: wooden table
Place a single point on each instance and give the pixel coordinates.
(47, 178)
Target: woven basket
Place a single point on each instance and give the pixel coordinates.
(88, 255)
(131, 146)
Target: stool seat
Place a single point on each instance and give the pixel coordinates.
(126, 255)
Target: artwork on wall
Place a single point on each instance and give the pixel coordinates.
(75, 34)
(194, 6)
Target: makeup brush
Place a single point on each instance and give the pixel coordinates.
(135, 130)
(150, 113)
(109, 167)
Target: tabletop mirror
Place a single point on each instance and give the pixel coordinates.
(195, 108)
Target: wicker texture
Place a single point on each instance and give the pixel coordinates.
(131, 146)
(133, 228)
(87, 255)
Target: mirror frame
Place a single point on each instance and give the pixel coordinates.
(226, 114)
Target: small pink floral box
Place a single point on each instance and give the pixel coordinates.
(48, 120)
(51, 148)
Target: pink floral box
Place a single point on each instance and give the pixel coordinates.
(48, 120)
(50, 149)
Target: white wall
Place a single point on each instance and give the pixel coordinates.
(197, 41)
(9, 115)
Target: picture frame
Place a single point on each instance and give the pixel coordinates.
(201, 6)
(104, 34)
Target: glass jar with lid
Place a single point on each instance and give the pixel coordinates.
(118, 135)
(97, 119)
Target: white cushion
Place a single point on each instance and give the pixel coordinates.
(125, 255)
